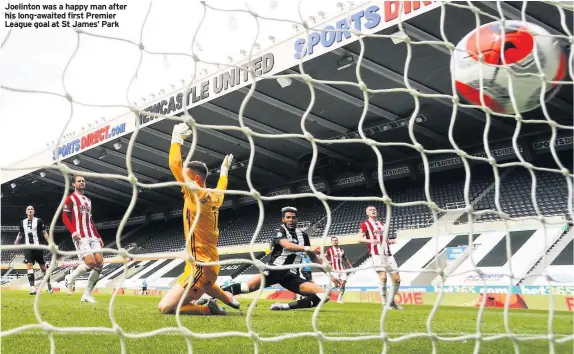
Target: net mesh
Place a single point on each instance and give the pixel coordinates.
(442, 44)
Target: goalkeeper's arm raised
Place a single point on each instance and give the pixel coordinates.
(181, 132)
(223, 179)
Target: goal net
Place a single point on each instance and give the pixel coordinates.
(163, 58)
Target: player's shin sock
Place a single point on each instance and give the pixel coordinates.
(394, 290)
(92, 280)
(307, 302)
(237, 288)
(217, 293)
(31, 277)
(82, 268)
(47, 280)
(341, 292)
(190, 309)
(383, 291)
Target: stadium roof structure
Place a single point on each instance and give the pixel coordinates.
(277, 106)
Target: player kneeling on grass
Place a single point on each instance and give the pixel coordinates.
(197, 280)
(77, 217)
(287, 247)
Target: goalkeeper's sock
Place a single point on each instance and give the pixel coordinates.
(31, 277)
(307, 302)
(82, 268)
(217, 293)
(191, 309)
(394, 290)
(92, 280)
(383, 290)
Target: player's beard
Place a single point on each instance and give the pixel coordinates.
(289, 227)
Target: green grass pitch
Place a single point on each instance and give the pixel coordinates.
(136, 314)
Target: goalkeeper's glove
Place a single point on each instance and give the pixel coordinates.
(226, 165)
(181, 132)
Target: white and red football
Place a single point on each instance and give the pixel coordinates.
(513, 46)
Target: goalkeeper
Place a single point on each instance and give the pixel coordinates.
(203, 239)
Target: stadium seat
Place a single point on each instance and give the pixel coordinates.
(516, 200)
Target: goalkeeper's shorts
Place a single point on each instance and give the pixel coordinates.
(198, 276)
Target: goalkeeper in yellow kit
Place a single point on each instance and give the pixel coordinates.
(202, 244)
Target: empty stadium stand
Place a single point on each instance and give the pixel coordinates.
(347, 217)
(241, 229)
(516, 196)
(6, 256)
(161, 236)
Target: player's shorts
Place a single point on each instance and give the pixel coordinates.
(87, 246)
(285, 278)
(307, 275)
(199, 277)
(339, 276)
(381, 262)
(34, 256)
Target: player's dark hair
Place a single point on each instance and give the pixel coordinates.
(74, 177)
(288, 209)
(334, 237)
(199, 168)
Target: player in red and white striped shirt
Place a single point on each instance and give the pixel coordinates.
(337, 259)
(77, 217)
(372, 233)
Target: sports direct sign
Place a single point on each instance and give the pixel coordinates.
(362, 20)
(101, 135)
(368, 18)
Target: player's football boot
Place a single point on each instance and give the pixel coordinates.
(88, 298)
(396, 306)
(202, 300)
(279, 307)
(32, 291)
(339, 301)
(215, 309)
(69, 284)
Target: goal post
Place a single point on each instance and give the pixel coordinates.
(313, 34)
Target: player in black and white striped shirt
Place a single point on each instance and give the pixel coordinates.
(287, 248)
(32, 229)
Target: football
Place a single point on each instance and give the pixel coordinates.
(508, 52)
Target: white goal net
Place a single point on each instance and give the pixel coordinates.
(242, 45)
